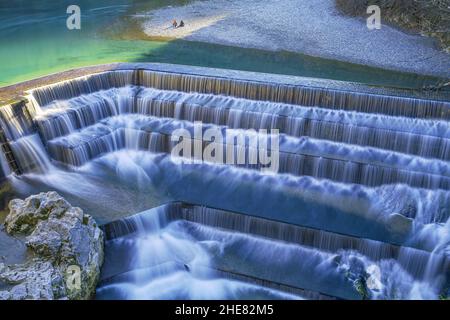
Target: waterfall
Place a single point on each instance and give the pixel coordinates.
(299, 95)
(329, 256)
(329, 98)
(176, 261)
(412, 136)
(388, 213)
(410, 259)
(299, 156)
(4, 166)
(82, 85)
(362, 183)
(16, 121)
(31, 155)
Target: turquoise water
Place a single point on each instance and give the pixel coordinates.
(35, 41)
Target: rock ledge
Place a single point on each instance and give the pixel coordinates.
(67, 249)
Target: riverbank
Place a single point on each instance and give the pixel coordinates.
(53, 48)
(428, 18)
(286, 26)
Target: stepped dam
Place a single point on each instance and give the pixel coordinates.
(358, 207)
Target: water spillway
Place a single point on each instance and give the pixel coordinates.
(270, 249)
(362, 179)
(259, 91)
(299, 156)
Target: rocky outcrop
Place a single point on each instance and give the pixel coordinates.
(67, 248)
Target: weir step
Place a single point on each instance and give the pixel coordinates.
(9, 155)
(297, 156)
(335, 245)
(260, 91)
(425, 138)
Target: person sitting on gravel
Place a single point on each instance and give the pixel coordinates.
(181, 24)
(174, 23)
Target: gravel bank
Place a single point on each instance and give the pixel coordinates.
(312, 27)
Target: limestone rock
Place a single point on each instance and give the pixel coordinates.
(67, 246)
(25, 214)
(34, 280)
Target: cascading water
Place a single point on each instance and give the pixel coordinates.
(363, 177)
(178, 263)
(4, 167)
(31, 155)
(182, 241)
(411, 136)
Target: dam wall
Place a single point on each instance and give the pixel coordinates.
(284, 93)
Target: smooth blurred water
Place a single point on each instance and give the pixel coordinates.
(359, 204)
(35, 40)
(168, 263)
(162, 259)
